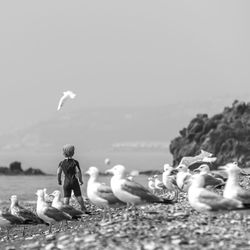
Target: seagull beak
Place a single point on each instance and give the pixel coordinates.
(87, 173)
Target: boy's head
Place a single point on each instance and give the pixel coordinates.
(68, 150)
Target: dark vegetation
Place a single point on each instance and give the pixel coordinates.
(15, 168)
(226, 135)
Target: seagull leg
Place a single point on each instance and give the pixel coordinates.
(110, 217)
(8, 233)
(24, 230)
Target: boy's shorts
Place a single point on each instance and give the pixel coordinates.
(68, 186)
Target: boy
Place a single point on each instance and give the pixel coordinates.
(70, 167)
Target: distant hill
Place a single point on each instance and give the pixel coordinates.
(100, 129)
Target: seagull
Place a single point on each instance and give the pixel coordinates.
(151, 184)
(183, 177)
(210, 180)
(169, 180)
(7, 219)
(101, 194)
(66, 95)
(47, 197)
(131, 192)
(203, 157)
(58, 204)
(232, 188)
(204, 200)
(49, 214)
(159, 186)
(22, 213)
(205, 169)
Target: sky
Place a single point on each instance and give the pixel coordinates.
(119, 53)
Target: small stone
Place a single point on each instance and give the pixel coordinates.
(63, 237)
(78, 239)
(10, 248)
(33, 245)
(90, 238)
(50, 237)
(50, 246)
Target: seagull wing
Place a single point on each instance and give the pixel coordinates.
(29, 216)
(61, 102)
(217, 202)
(106, 193)
(66, 95)
(12, 218)
(243, 195)
(71, 211)
(56, 214)
(212, 181)
(173, 180)
(140, 191)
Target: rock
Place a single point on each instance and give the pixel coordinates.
(226, 135)
(50, 246)
(10, 248)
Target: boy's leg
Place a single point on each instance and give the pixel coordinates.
(81, 202)
(66, 193)
(66, 200)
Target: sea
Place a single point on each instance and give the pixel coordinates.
(25, 186)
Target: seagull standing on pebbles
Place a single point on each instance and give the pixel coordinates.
(169, 180)
(22, 213)
(66, 95)
(7, 219)
(232, 188)
(58, 204)
(159, 186)
(49, 214)
(151, 184)
(210, 180)
(204, 200)
(101, 194)
(183, 177)
(131, 192)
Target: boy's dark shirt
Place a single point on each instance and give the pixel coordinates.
(68, 167)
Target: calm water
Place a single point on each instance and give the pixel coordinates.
(25, 186)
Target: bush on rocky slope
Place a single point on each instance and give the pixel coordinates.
(226, 135)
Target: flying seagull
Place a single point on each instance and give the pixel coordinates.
(66, 95)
